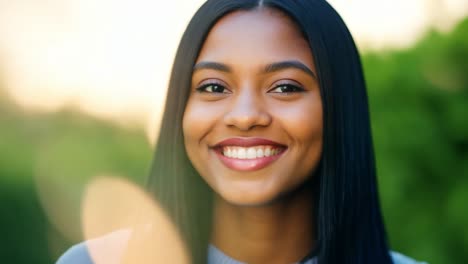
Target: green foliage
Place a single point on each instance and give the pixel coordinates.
(419, 107)
(418, 101)
(55, 156)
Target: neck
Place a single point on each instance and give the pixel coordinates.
(279, 232)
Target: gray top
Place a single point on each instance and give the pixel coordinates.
(115, 242)
(216, 256)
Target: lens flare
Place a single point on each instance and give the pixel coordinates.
(145, 234)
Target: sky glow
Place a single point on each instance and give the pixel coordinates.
(111, 59)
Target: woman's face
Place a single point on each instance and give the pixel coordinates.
(253, 122)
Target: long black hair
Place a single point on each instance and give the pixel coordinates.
(349, 223)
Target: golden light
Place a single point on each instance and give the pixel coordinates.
(120, 222)
(112, 59)
(145, 234)
(398, 24)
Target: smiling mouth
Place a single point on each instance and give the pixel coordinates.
(249, 153)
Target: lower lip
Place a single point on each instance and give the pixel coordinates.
(248, 164)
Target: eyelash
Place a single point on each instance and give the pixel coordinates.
(202, 88)
(295, 88)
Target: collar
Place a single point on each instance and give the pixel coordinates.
(216, 256)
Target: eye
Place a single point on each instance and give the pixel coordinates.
(212, 88)
(287, 88)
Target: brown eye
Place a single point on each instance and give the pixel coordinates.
(286, 88)
(212, 88)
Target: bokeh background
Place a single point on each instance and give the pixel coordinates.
(82, 85)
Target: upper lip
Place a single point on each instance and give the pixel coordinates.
(247, 142)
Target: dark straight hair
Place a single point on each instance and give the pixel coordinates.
(349, 223)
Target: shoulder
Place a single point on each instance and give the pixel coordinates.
(77, 254)
(399, 258)
(107, 247)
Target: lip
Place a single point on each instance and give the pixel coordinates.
(247, 164)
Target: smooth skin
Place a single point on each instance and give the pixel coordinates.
(255, 77)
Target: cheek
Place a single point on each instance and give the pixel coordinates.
(304, 125)
(191, 128)
(192, 131)
(198, 123)
(303, 122)
(199, 119)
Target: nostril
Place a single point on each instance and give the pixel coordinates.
(247, 110)
(245, 120)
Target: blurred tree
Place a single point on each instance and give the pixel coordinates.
(57, 154)
(419, 106)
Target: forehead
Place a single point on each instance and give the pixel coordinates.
(255, 36)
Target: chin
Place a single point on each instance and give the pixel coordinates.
(248, 198)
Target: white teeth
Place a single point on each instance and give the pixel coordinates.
(250, 153)
(259, 153)
(241, 153)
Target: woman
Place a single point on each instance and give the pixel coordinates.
(265, 151)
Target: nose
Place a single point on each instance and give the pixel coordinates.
(246, 112)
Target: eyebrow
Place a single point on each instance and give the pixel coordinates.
(209, 65)
(270, 68)
(291, 64)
